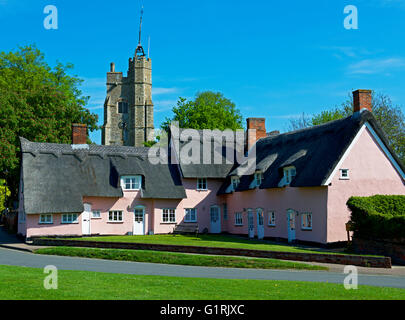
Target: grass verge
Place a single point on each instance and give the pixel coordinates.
(22, 283)
(177, 258)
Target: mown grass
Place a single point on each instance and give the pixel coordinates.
(218, 241)
(177, 258)
(20, 283)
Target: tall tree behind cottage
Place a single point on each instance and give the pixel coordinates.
(389, 116)
(37, 102)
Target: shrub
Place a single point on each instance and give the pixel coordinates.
(378, 217)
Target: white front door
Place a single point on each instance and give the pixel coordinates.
(260, 224)
(251, 225)
(139, 221)
(86, 219)
(215, 215)
(291, 225)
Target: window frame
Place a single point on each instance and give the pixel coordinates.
(342, 177)
(68, 221)
(256, 175)
(123, 109)
(288, 177)
(45, 222)
(137, 181)
(271, 219)
(92, 214)
(238, 221)
(119, 213)
(233, 180)
(204, 182)
(169, 215)
(306, 214)
(186, 213)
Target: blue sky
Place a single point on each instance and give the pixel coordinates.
(274, 59)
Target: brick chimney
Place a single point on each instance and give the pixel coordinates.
(362, 100)
(79, 133)
(256, 129)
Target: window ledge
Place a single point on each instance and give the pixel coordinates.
(96, 218)
(238, 225)
(306, 229)
(190, 221)
(115, 222)
(45, 222)
(168, 223)
(69, 223)
(271, 225)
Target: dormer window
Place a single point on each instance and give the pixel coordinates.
(202, 184)
(289, 174)
(344, 174)
(258, 178)
(129, 183)
(234, 182)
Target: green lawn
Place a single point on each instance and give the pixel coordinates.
(177, 258)
(27, 283)
(222, 241)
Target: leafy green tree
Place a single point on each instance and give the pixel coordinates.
(37, 102)
(4, 194)
(389, 116)
(209, 110)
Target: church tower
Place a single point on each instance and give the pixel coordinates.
(128, 107)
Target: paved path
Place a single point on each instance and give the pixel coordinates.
(10, 241)
(20, 258)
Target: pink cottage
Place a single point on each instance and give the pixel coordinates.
(297, 190)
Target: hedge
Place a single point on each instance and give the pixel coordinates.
(378, 217)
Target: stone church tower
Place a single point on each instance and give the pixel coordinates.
(128, 107)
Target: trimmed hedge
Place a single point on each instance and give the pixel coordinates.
(378, 217)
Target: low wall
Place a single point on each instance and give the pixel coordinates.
(363, 261)
(394, 250)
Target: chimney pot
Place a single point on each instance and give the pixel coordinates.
(79, 133)
(362, 100)
(256, 129)
(112, 67)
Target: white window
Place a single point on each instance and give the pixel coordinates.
(289, 174)
(70, 218)
(96, 215)
(344, 174)
(131, 182)
(202, 184)
(258, 178)
(306, 221)
(235, 182)
(272, 219)
(191, 215)
(45, 219)
(238, 219)
(115, 216)
(169, 216)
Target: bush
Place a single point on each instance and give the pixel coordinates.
(378, 217)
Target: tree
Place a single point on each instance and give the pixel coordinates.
(4, 194)
(389, 116)
(37, 102)
(209, 110)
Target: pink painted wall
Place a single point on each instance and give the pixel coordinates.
(312, 200)
(370, 173)
(34, 228)
(201, 200)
